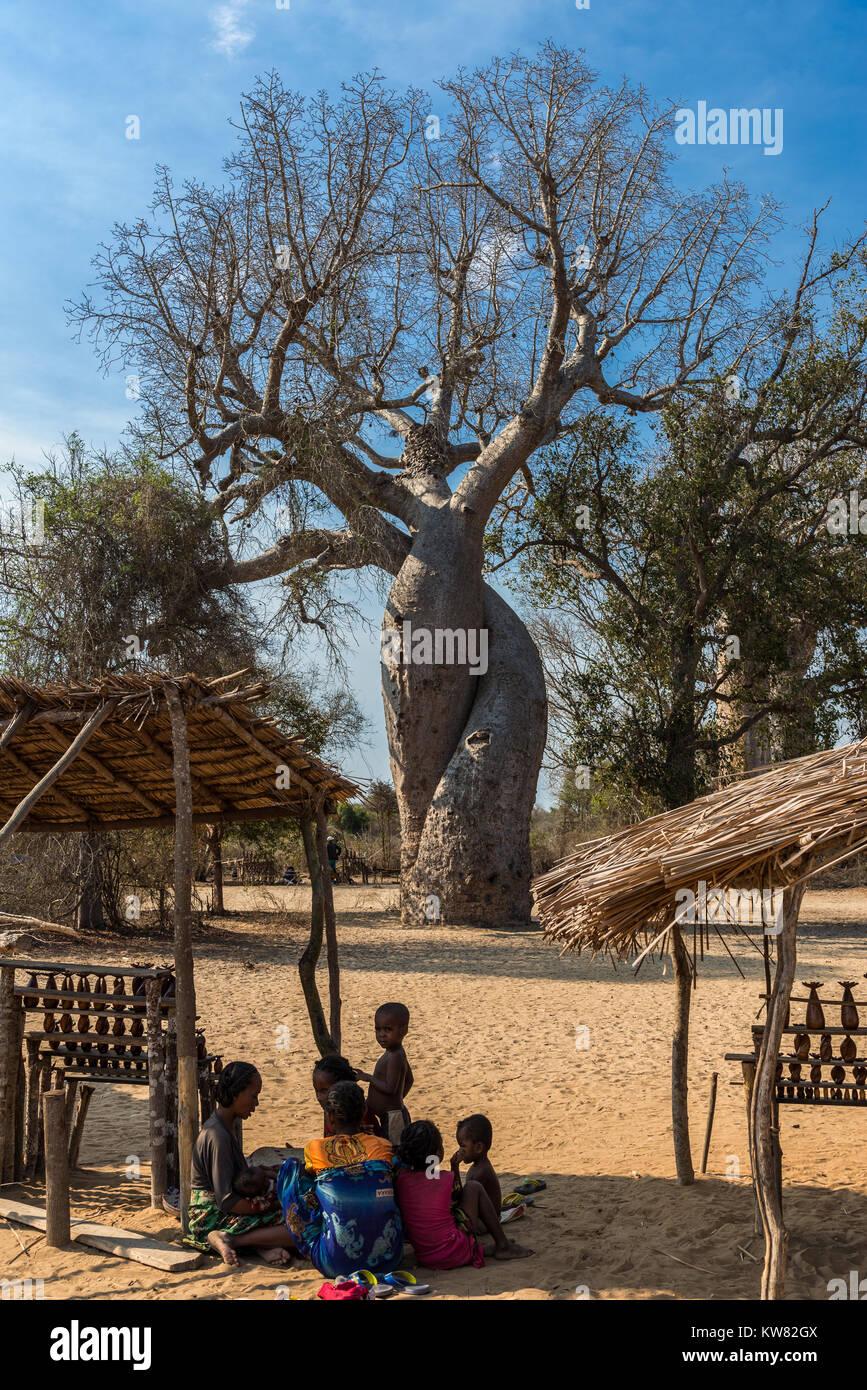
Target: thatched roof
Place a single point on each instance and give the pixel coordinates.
(122, 778)
(767, 830)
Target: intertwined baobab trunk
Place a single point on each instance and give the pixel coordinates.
(465, 748)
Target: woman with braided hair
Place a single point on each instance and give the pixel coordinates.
(339, 1202)
(221, 1220)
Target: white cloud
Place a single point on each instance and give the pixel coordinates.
(232, 35)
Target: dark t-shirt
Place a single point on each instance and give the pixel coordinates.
(217, 1160)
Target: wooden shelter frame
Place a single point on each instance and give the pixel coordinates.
(781, 824)
(90, 757)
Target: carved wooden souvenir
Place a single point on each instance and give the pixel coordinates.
(815, 1012)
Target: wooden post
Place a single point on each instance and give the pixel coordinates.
(310, 956)
(56, 1169)
(8, 1072)
(749, 1074)
(44, 1084)
(171, 1046)
(330, 929)
(31, 1138)
(217, 857)
(71, 1096)
(184, 974)
(18, 1142)
(85, 1095)
(680, 1059)
(710, 1113)
(763, 1142)
(156, 1093)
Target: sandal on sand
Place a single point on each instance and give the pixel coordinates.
(404, 1282)
(366, 1280)
(515, 1199)
(513, 1214)
(531, 1185)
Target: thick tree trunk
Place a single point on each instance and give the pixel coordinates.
(217, 859)
(465, 748)
(89, 914)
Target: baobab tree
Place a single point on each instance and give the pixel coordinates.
(370, 329)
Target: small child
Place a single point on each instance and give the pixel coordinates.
(441, 1219)
(475, 1136)
(257, 1185)
(392, 1076)
(327, 1071)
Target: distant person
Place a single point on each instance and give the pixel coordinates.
(392, 1076)
(290, 875)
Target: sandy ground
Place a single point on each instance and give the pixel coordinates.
(496, 1017)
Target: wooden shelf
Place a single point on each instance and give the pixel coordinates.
(811, 1100)
(53, 967)
(834, 1030)
(133, 1002)
(804, 1061)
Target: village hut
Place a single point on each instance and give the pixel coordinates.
(130, 751)
(623, 895)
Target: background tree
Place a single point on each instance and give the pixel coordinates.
(116, 585)
(692, 589)
(371, 271)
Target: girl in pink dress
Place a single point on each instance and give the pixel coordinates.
(440, 1218)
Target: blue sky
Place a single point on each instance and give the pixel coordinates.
(72, 74)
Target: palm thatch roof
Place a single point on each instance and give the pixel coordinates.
(121, 777)
(769, 830)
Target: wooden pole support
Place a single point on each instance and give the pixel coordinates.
(18, 1144)
(71, 1095)
(8, 1072)
(171, 1046)
(330, 929)
(56, 1169)
(310, 956)
(44, 1085)
(710, 1113)
(156, 1094)
(764, 1139)
(185, 986)
(683, 982)
(31, 1136)
(84, 1098)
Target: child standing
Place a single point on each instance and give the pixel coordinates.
(440, 1219)
(392, 1076)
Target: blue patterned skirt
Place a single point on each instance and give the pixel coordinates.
(343, 1219)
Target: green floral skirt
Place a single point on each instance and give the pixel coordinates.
(206, 1216)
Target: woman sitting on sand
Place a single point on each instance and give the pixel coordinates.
(339, 1203)
(221, 1220)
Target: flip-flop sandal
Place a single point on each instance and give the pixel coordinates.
(404, 1282)
(515, 1199)
(513, 1214)
(367, 1280)
(531, 1185)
